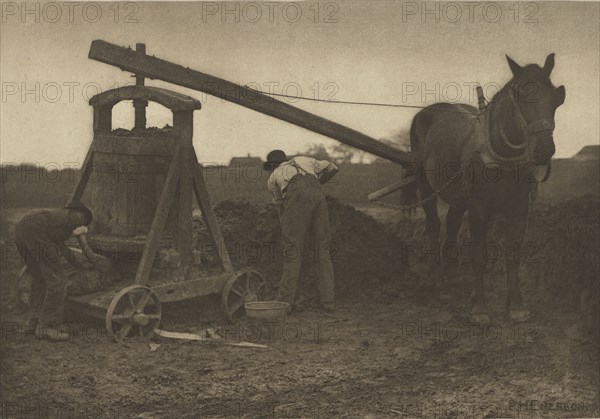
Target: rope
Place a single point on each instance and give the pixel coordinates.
(414, 205)
(347, 102)
(344, 102)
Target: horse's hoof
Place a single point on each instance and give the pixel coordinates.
(519, 315)
(480, 318)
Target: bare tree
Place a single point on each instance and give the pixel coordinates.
(342, 153)
(399, 139)
(318, 151)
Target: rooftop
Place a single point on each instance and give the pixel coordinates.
(589, 152)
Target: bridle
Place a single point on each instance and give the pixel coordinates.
(531, 129)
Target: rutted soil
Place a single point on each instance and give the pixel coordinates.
(386, 352)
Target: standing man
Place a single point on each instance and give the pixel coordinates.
(296, 187)
(40, 238)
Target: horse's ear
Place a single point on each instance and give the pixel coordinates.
(549, 64)
(514, 67)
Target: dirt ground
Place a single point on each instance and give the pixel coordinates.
(399, 353)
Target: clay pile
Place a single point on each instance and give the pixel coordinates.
(147, 132)
(365, 254)
(568, 238)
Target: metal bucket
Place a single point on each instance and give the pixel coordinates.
(266, 309)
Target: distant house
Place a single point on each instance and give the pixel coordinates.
(247, 161)
(589, 152)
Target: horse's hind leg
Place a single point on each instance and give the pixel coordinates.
(478, 223)
(451, 251)
(432, 228)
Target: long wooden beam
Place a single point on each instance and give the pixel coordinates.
(154, 68)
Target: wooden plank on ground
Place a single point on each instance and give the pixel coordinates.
(208, 336)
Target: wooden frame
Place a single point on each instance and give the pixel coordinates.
(184, 177)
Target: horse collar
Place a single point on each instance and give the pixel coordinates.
(490, 155)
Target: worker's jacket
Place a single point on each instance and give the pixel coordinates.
(43, 227)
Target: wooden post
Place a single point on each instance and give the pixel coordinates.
(140, 105)
(102, 123)
(102, 119)
(183, 130)
(86, 171)
(208, 214)
(159, 221)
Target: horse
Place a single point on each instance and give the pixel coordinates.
(483, 162)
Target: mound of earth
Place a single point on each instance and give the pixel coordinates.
(365, 253)
(146, 132)
(567, 240)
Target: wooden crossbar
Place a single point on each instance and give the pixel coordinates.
(151, 67)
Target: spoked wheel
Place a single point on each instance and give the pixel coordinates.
(133, 311)
(242, 288)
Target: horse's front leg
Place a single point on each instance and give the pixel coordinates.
(451, 251)
(512, 256)
(478, 223)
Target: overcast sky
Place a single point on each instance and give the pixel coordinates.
(357, 51)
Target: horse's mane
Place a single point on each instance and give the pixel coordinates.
(502, 92)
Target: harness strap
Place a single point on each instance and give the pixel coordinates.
(535, 127)
(540, 125)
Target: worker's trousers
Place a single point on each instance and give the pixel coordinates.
(49, 283)
(305, 221)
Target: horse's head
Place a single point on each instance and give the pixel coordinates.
(536, 100)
